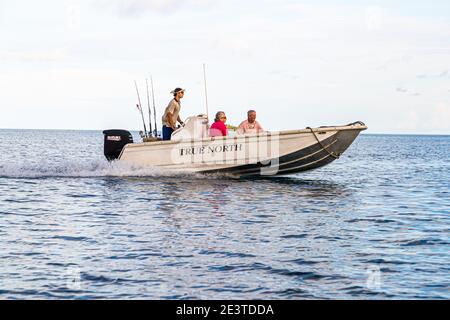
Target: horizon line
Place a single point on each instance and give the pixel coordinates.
(137, 130)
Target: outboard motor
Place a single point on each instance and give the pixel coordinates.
(115, 140)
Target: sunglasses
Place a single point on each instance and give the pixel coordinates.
(223, 117)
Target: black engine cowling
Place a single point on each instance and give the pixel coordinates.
(114, 142)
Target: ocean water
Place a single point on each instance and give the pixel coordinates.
(374, 224)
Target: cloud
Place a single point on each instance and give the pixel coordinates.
(284, 74)
(27, 56)
(135, 8)
(404, 90)
(444, 74)
(392, 62)
(338, 57)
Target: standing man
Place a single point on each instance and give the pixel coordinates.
(172, 114)
(250, 126)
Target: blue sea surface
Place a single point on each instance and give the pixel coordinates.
(375, 224)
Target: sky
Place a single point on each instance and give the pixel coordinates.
(71, 64)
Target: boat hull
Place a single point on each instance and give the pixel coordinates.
(274, 153)
(308, 158)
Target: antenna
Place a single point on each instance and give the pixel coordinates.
(206, 91)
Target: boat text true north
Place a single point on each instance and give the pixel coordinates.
(210, 149)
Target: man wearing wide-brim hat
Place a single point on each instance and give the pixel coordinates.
(172, 114)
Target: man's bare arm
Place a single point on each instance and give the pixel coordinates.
(260, 128)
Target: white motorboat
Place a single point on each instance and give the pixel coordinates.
(263, 154)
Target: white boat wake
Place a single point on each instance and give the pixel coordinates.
(82, 169)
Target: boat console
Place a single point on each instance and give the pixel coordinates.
(195, 127)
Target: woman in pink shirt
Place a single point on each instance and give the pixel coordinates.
(218, 128)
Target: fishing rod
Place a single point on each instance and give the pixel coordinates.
(139, 106)
(149, 112)
(206, 92)
(154, 108)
